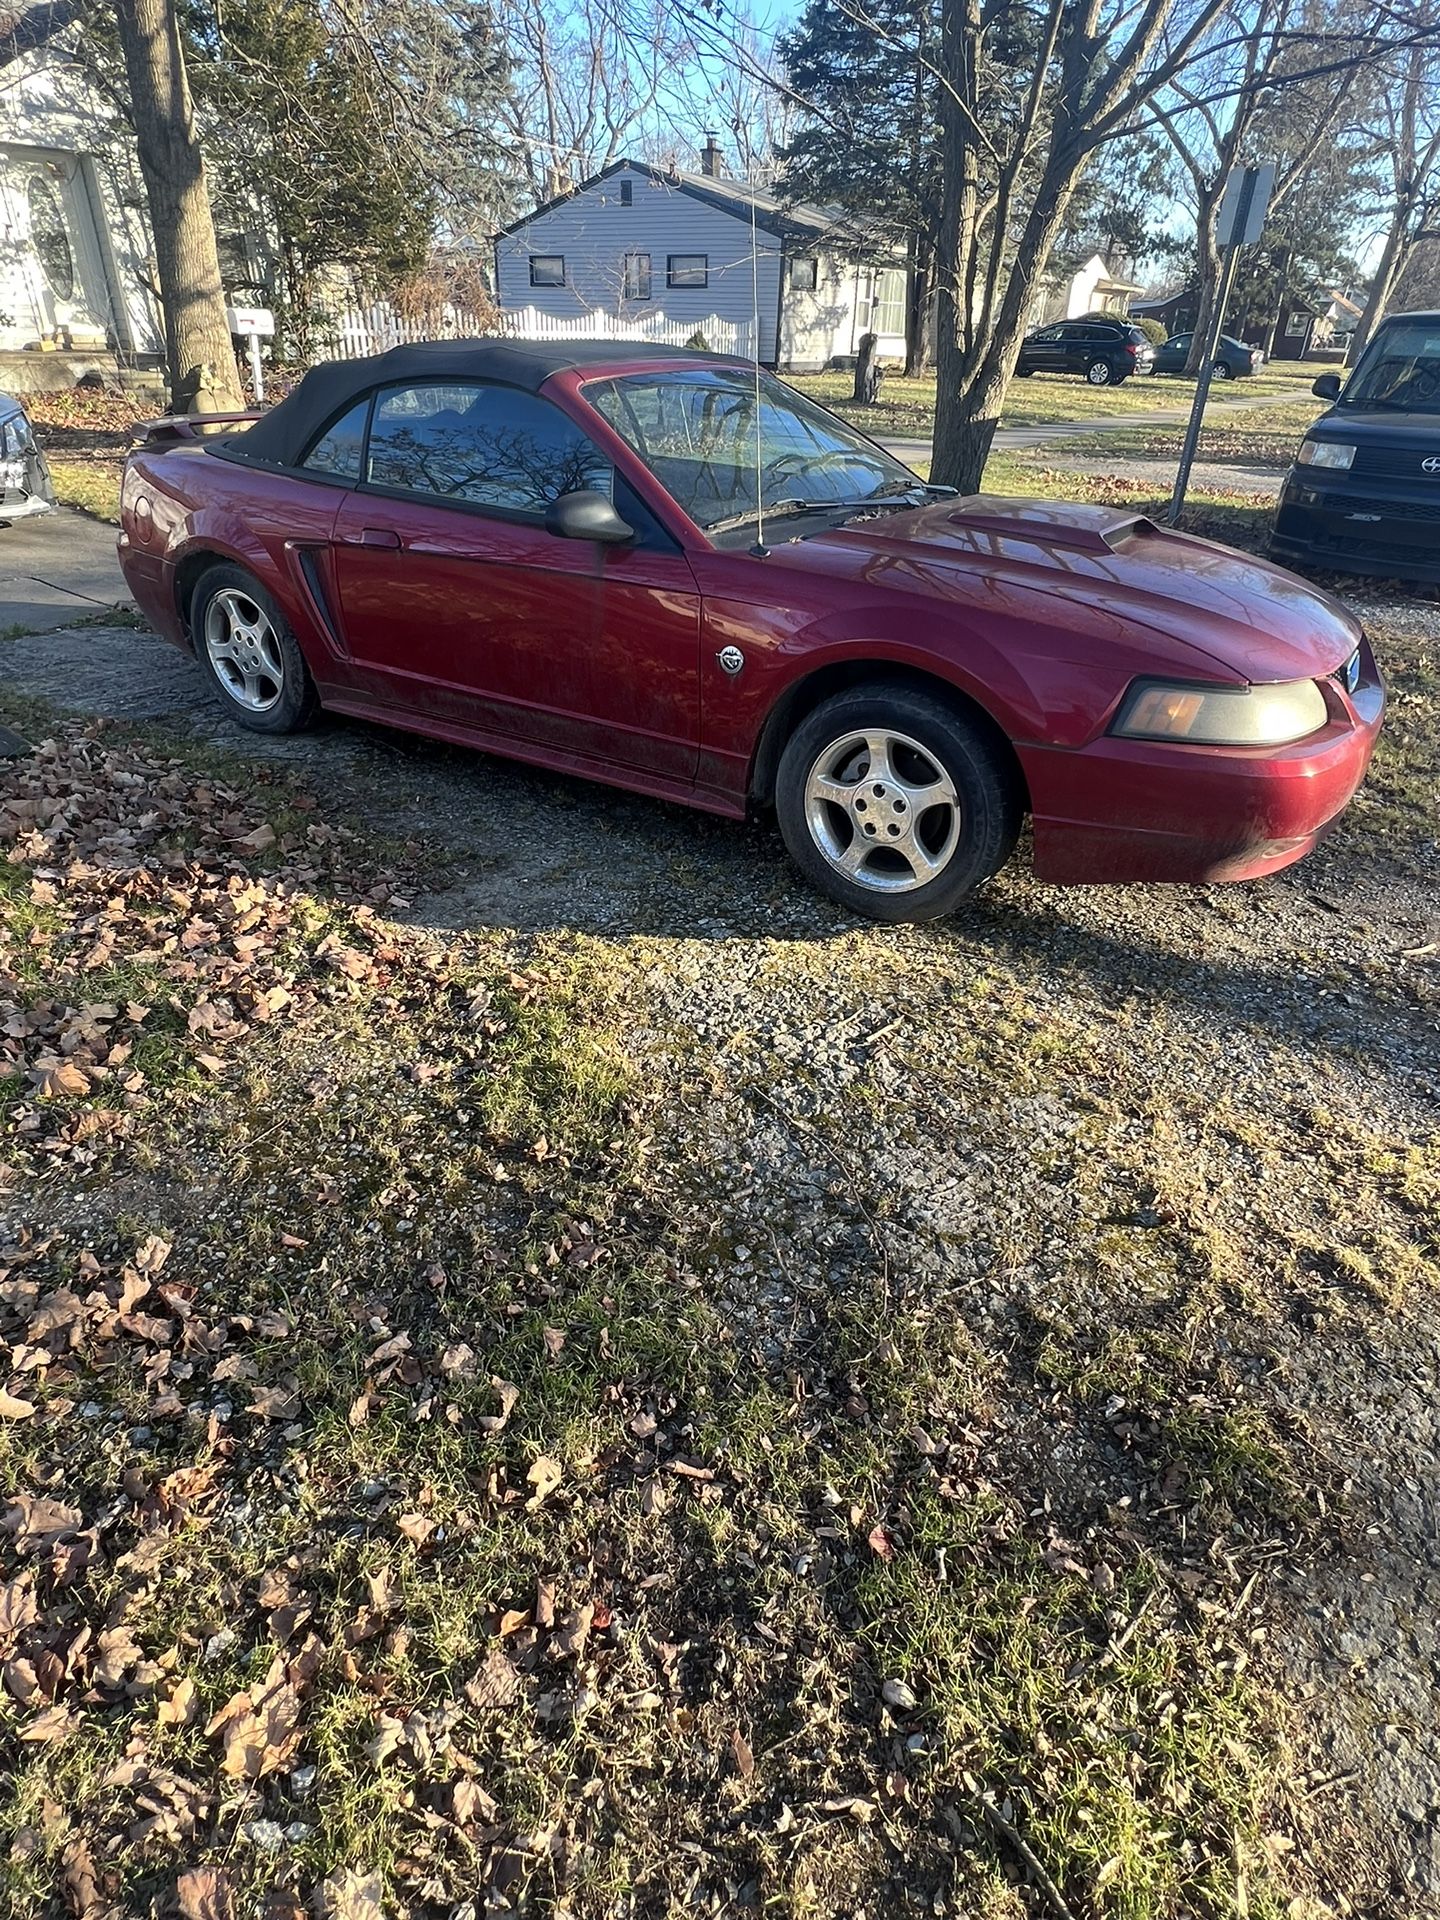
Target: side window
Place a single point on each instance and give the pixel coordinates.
(805, 274)
(339, 448)
(636, 279)
(485, 445)
(547, 269)
(687, 270)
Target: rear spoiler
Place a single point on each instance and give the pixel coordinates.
(176, 427)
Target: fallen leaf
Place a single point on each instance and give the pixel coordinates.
(56, 1723)
(82, 1895)
(177, 1709)
(554, 1338)
(896, 1694)
(495, 1685)
(256, 842)
(204, 1894)
(259, 1726)
(352, 1895)
(509, 1393)
(18, 1610)
(12, 1408)
(879, 1542)
(469, 1802)
(58, 1079)
(545, 1475)
(740, 1752)
(573, 1632)
(416, 1527)
(274, 1403)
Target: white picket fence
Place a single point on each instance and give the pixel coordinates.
(359, 331)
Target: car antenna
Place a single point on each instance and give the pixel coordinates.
(760, 550)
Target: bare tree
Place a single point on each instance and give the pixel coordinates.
(1211, 113)
(202, 370)
(1407, 134)
(585, 83)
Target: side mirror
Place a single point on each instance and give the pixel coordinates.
(587, 514)
(1327, 387)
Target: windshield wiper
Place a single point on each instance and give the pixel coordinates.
(782, 509)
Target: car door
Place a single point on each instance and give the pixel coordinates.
(458, 604)
(1044, 352)
(1172, 356)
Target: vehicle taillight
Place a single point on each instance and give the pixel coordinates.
(1132, 349)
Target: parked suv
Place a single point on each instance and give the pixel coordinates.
(1364, 493)
(1105, 351)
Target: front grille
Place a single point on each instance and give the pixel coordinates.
(1393, 511)
(1399, 463)
(1368, 549)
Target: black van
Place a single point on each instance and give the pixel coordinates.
(1364, 493)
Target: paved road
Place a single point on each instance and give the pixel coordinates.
(56, 568)
(1017, 439)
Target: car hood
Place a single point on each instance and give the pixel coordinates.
(1113, 569)
(1378, 427)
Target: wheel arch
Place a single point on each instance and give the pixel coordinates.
(804, 695)
(190, 569)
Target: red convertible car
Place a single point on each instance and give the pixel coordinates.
(666, 571)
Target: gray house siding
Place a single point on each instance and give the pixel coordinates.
(594, 231)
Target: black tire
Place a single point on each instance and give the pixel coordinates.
(283, 682)
(1220, 371)
(1100, 373)
(972, 839)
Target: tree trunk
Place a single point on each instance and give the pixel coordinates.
(202, 370)
(1387, 272)
(917, 309)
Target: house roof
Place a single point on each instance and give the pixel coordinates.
(1344, 301)
(737, 197)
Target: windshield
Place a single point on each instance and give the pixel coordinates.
(697, 433)
(1400, 369)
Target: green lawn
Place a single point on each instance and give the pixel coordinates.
(91, 485)
(906, 408)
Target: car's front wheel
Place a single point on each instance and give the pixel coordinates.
(896, 804)
(1100, 374)
(246, 648)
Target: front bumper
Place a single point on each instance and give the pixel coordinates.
(1125, 810)
(1380, 532)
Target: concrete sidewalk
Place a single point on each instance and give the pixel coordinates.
(56, 568)
(1017, 439)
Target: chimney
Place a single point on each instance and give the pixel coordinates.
(711, 158)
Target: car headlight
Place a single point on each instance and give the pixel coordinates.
(1326, 453)
(1222, 716)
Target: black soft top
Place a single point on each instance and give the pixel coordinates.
(281, 436)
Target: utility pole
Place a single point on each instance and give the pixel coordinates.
(1242, 214)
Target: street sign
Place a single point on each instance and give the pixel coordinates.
(254, 322)
(1242, 205)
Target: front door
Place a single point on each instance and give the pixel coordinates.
(67, 286)
(456, 601)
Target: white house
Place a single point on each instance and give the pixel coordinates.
(75, 267)
(1091, 288)
(650, 252)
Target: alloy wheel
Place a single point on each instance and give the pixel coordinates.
(244, 649)
(1099, 374)
(882, 811)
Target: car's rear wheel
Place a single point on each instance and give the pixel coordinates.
(245, 646)
(1220, 370)
(1100, 374)
(896, 804)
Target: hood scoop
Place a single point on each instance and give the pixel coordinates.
(1085, 529)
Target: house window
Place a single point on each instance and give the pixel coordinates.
(889, 314)
(547, 269)
(51, 242)
(627, 193)
(1295, 326)
(687, 270)
(637, 276)
(805, 275)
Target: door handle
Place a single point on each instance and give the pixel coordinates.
(372, 537)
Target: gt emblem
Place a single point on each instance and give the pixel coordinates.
(731, 660)
(1432, 465)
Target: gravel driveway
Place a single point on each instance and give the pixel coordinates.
(1177, 1145)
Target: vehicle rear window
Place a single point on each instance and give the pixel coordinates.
(484, 445)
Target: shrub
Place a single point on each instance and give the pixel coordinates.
(698, 340)
(1153, 331)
